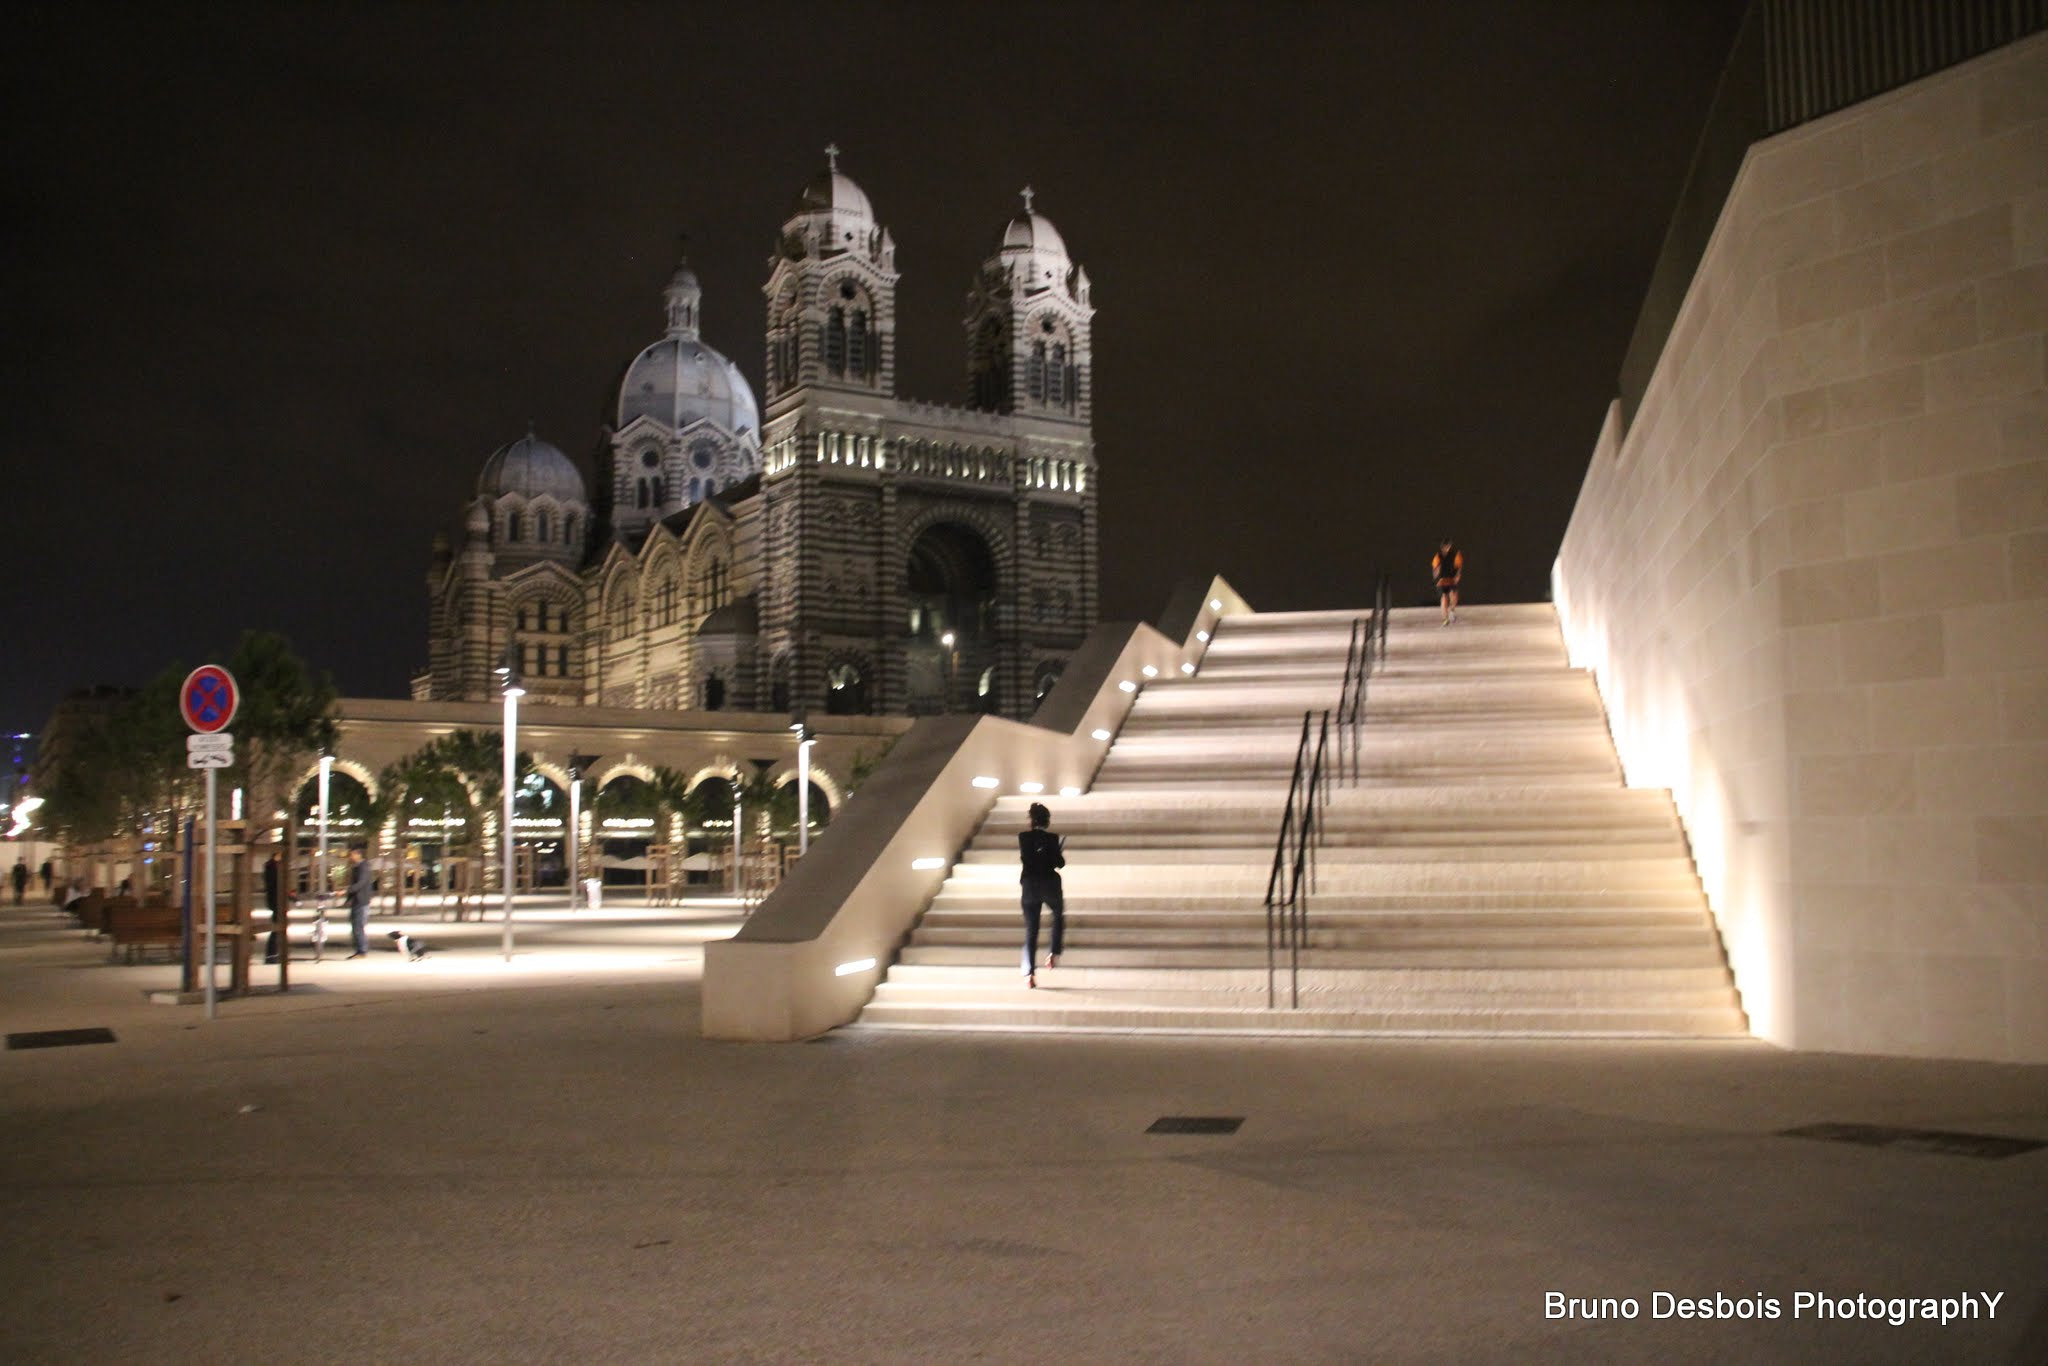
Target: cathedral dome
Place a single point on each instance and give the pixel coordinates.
(530, 467)
(833, 192)
(1034, 232)
(679, 380)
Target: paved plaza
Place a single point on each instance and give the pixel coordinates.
(461, 1160)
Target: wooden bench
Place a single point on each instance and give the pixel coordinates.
(133, 927)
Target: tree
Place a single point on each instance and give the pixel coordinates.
(286, 718)
(115, 771)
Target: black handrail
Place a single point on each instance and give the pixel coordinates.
(1300, 834)
(1275, 907)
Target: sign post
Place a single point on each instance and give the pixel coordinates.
(208, 701)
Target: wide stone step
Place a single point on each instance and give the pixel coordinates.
(1201, 955)
(1105, 1012)
(1323, 934)
(1221, 917)
(963, 895)
(1694, 986)
(1335, 850)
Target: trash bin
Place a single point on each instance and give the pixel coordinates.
(593, 893)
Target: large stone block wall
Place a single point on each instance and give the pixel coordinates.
(1813, 575)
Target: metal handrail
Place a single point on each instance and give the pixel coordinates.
(1300, 833)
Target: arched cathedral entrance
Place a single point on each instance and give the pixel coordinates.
(950, 587)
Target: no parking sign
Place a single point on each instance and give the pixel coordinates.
(208, 699)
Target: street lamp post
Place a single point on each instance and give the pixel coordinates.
(326, 773)
(508, 674)
(805, 738)
(577, 763)
(947, 640)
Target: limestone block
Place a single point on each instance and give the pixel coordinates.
(1838, 915)
(1885, 397)
(1790, 237)
(1814, 161)
(2009, 498)
(1839, 785)
(1828, 849)
(1961, 249)
(1932, 712)
(1924, 325)
(1921, 124)
(2001, 369)
(1940, 576)
(1921, 851)
(2026, 558)
(1804, 413)
(2015, 92)
(1989, 639)
(1893, 648)
(1827, 352)
(1891, 206)
(2013, 849)
(1838, 285)
(1993, 170)
(1941, 443)
(1815, 532)
(1900, 516)
(1830, 721)
(1813, 655)
(2014, 302)
(1845, 590)
(2026, 1009)
(2023, 707)
(2023, 428)
(1964, 997)
(2030, 228)
(1982, 780)
(1838, 463)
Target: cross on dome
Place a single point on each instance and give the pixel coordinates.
(832, 157)
(1027, 198)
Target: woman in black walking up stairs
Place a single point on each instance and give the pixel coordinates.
(1043, 855)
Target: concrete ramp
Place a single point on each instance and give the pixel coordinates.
(1487, 875)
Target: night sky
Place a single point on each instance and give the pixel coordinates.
(278, 280)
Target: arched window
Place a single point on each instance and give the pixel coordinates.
(714, 693)
(1034, 377)
(1056, 376)
(846, 692)
(569, 529)
(642, 500)
(835, 342)
(543, 526)
(512, 525)
(991, 367)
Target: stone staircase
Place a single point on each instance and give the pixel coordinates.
(1487, 875)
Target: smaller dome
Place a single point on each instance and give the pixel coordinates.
(530, 467)
(1034, 232)
(477, 521)
(833, 193)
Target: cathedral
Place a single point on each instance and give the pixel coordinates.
(838, 549)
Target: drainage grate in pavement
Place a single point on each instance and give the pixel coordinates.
(1918, 1140)
(1196, 1124)
(59, 1038)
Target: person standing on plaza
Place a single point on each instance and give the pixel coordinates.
(1448, 564)
(274, 897)
(48, 874)
(20, 876)
(361, 885)
(1043, 855)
